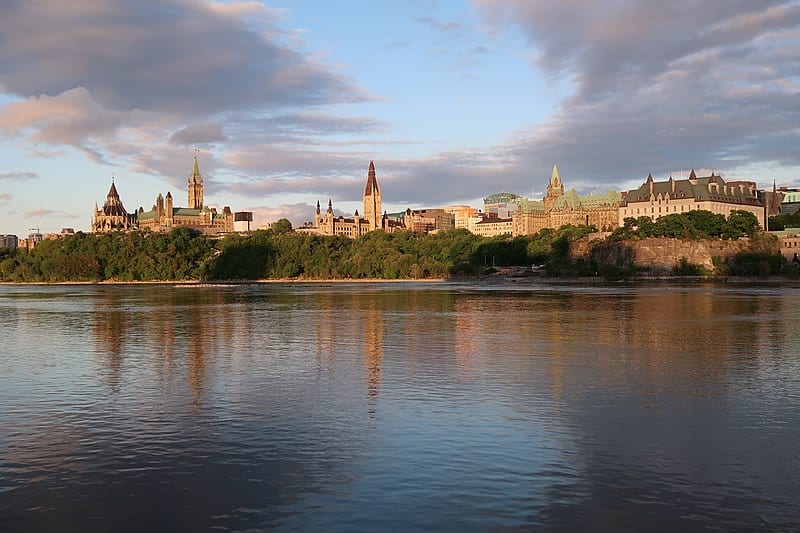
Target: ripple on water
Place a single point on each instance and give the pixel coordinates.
(339, 407)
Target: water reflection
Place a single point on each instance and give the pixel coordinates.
(339, 407)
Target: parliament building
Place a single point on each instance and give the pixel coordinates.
(164, 216)
(559, 208)
(373, 216)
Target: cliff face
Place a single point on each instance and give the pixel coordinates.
(660, 254)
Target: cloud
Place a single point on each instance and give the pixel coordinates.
(660, 84)
(50, 213)
(5, 198)
(18, 176)
(446, 27)
(197, 134)
(134, 84)
(168, 56)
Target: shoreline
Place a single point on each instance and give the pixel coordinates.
(510, 280)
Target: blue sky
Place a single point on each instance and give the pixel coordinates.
(454, 100)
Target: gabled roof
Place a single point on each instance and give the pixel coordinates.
(699, 189)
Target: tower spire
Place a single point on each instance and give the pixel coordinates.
(195, 186)
(372, 199)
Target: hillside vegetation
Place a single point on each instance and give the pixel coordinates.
(280, 253)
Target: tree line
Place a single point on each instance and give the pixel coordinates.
(279, 253)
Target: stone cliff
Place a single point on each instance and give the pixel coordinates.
(658, 254)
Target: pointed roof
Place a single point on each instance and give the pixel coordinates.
(692, 176)
(196, 177)
(356, 213)
(555, 179)
(372, 181)
(112, 192)
(113, 204)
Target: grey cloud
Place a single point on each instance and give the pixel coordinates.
(447, 27)
(166, 55)
(660, 84)
(196, 134)
(18, 176)
(36, 213)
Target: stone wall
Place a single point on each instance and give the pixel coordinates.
(662, 254)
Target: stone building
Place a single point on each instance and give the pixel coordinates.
(164, 216)
(492, 226)
(655, 199)
(112, 216)
(428, 220)
(559, 208)
(329, 224)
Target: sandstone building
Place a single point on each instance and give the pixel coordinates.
(374, 218)
(655, 199)
(164, 216)
(559, 208)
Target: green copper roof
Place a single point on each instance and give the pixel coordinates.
(529, 206)
(501, 198)
(791, 197)
(196, 177)
(555, 179)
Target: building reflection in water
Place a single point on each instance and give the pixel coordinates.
(109, 327)
(158, 324)
(373, 349)
(351, 325)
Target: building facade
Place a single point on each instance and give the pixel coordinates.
(8, 241)
(790, 243)
(374, 218)
(112, 216)
(656, 199)
(164, 216)
(559, 208)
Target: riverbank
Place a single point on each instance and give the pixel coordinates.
(491, 279)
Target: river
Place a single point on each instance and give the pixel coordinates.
(352, 407)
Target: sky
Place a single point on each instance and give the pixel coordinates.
(454, 100)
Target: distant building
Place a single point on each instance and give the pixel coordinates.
(428, 220)
(466, 218)
(8, 241)
(559, 208)
(655, 199)
(501, 205)
(789, 240)
(242, 220)
(164, 216)
(790, 201)
(492, 226)
(329, 224)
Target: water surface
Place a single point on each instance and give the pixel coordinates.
(399, 407)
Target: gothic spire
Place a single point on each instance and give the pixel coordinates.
(555, 179)
(372, 182)
(196, 177)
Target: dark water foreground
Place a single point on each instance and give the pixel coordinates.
(399, 407)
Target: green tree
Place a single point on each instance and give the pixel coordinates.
(740, 224)
(282, 225)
